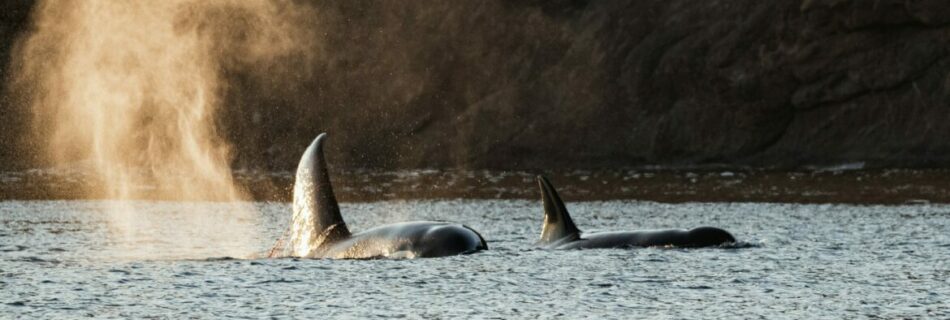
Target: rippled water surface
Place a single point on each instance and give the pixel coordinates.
(71, 259)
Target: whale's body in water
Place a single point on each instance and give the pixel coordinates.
(559, 231)
(319, 231)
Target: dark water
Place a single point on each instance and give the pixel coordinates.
(66, 259)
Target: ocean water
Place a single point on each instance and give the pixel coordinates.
(71, 259)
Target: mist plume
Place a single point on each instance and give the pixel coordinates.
(132, 89)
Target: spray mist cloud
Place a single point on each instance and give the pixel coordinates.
(133, 88)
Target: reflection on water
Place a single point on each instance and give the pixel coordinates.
(801, 261)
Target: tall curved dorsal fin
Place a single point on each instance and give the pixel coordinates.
(317, 218)
(557, 222)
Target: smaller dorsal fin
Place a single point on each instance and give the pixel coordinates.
(557, 222)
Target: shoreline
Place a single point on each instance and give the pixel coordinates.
(877, 186)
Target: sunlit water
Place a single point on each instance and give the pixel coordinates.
(57, 259)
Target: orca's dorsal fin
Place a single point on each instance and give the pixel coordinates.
(317, 218)
(558, 225)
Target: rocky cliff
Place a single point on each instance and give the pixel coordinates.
(14, 115)
(593, 84)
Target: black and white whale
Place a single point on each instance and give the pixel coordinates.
(559, 231)
(319, 231)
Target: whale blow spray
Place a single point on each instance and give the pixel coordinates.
(132, 88)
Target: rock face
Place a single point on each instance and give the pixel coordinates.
(14, 16)
(591, 84)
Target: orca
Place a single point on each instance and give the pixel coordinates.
(318, 229)
(559, 231)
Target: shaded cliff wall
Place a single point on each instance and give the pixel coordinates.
(15, 151)
(591, 84)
